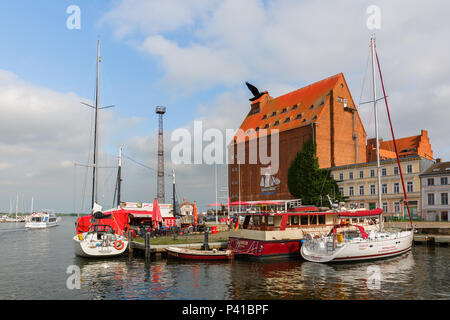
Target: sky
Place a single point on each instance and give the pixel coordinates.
(194, 58)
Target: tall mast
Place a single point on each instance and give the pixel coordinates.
(32, 204)
(17, 204)
(10, 205)
(215, 171)
(94, 167)
(119, 177)
(372, 45)
(173, 193)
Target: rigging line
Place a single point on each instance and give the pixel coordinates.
(89, 156)
(393, 140)
(145, 166)
(364, 78)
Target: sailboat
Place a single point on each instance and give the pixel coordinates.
(100, 234)
(353, 243)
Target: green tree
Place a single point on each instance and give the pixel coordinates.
(308, 182)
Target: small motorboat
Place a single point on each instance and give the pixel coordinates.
(192, 254)
(41, 220)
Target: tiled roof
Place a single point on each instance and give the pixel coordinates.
(292, 110)
(438, 168)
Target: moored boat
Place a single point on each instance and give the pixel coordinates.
(351, 242)
(101, 234)
(276, 229)
(191, 254)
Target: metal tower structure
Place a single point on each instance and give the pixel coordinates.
(160, 111)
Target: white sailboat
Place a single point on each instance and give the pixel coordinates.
(353, 243)
(100, 240)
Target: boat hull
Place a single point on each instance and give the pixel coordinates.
(87, 249)
(40, 225)
(260, 249)
(360, 251)
(187, 254)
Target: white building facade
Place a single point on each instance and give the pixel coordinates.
(435, 192)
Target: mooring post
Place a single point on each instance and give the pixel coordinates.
(130, 242)
(205, 241)
(147, 244)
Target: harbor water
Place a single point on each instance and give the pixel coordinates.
(34, 265)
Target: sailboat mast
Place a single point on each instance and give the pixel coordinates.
(94, 167)
(17, 204)
(32, 205)
(119, 177)
(173, 193)
(372, 46)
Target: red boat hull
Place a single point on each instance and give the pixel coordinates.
(264, 249)
(189, 256)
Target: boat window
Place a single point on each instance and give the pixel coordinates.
(270, 221)
(256, 220)
(354, 220)
(304, 220)
(294, 220)
(313, 220)
(322, 219)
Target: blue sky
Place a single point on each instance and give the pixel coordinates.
(194, 57)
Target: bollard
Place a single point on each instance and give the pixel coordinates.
(205, 245)
(147, 245)
(130, 243)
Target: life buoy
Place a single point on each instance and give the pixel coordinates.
(118, 245)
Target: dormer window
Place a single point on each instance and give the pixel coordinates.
(295, 107)
(257, 129)
(299, 116)
(276, 123)
(284, 110)
(314, 118)
(266, 126)
(287, 120)
(264, 117)
(312, 106)
(274, 114)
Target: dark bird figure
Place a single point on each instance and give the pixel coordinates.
(255, 92)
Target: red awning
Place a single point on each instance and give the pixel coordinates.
(360, 213)
(217, 205)
(242, 203)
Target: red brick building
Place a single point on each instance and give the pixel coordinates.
(323, 111)
(409, 146)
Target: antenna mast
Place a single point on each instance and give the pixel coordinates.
(160, 111)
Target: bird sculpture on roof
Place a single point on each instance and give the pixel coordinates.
(254, 91)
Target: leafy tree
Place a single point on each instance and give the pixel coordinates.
(308, 182)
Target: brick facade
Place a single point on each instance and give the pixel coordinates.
(323, 111)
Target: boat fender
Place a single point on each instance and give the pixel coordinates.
(80, 237)
(118, 245)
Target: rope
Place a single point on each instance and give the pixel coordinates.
(393, 140)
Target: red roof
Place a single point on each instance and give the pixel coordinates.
(308, 102)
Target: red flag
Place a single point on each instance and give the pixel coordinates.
(195, 214)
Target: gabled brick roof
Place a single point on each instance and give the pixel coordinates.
(414, 145)
(307, 102)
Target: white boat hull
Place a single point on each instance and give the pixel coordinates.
(90, 247)
(365, 249)
(40, 225)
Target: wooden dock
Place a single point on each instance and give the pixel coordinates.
(432, 239)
